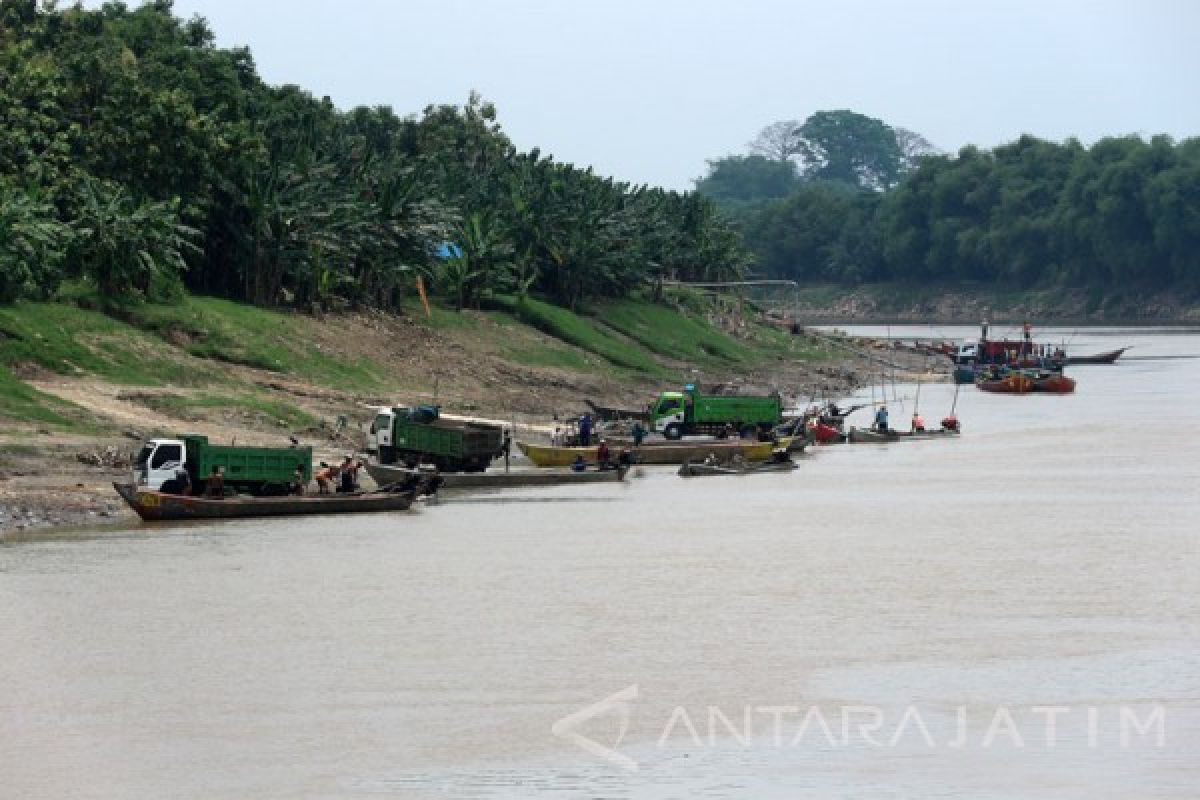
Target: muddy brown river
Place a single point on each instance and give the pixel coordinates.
(1013, 614)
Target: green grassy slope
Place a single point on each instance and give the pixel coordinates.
(190, 344)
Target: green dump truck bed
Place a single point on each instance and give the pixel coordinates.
(253, 469)
(451, 445)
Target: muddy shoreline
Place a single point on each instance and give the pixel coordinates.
(46, 482)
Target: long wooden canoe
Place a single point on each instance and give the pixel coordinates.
(865, 436)
(690, 470)
(665, 453)
(385, 474)
(152, 505)
(1099, 358)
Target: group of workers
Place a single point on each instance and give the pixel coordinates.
(579, 433)
(604, 459)
(336, 477)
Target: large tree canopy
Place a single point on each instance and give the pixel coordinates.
(153, 158)
(1123, 214)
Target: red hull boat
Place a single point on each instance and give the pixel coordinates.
(1012, 383)
(1054, 383)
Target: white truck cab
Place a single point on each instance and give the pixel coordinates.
(159, 460)
(379, 431)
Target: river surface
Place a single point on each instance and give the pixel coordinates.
(1013, 614)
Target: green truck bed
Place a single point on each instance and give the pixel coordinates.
(246, 467)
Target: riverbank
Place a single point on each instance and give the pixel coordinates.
(967, 304)
(92, 387)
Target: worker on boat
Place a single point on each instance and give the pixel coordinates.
(780, 456)
(507, 448)
(556, 438)
(579, 465)
(299, 484)
(918, 422)
(639, 433)
(325, 478)
(625, 459)
(215, 484)
(881, 419)
(603, 454)
(585, 430)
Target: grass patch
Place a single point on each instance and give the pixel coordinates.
(21, 402)
(669, 333)
(69, 340)
(584, 333)
(221, 330)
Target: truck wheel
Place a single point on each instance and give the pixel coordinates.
(674, 432)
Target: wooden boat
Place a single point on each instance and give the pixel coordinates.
(1011, 383)
(385, 474)
(1054, 383)
(1099, 358)
(866, 436)
(658, 453)
(690, 470)
(152, 505)
(827, 434)
(933, 433)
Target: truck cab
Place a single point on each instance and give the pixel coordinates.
(159, 460)
(379, 432)
(668, 410)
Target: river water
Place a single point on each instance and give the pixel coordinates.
(1013, 614)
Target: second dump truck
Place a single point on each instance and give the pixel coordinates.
(422, 436)
(677, 414)
(253, 470)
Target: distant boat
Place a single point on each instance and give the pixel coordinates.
(690, 470)
(1100, 358)
(1010, 383)
(1053, 383)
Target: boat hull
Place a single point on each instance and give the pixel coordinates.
(862, 436)
(689, 470)
(384, 475)
(152, 506)
(1013, 383)
(666, 453)
(1100, 358)
(1054, 384)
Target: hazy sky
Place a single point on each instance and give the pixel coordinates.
(646, 91)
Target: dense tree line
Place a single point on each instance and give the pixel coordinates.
(1123, 213)
(138, 157)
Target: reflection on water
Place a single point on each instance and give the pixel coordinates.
(1047, 558)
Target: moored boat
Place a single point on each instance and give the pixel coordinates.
(867, 436)
(1009, 383)
(1099, 358)
(658, 453)
(385, 474)
(690, 470)
(1054, 383)
(153, 505)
